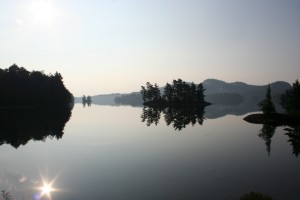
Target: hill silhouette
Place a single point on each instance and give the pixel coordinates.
(218, 92)
(254, 93)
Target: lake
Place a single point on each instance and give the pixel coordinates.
(107, 152)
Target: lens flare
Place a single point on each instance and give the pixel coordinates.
(45, 190)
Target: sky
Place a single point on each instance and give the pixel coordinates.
(110, 46)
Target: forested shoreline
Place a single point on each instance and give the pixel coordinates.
(21, 88)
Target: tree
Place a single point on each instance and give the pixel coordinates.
(151, 92)
(84, 99)
(156, 92)
(89, 99)
(290, 100)
(266, 105)
(200, 93)
(193, 92)
(144, 93)
(168, 93)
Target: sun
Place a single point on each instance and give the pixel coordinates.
(43, 11)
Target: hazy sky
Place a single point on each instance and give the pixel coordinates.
(105, 46)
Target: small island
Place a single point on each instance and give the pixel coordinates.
(290, 101)
(86, 100)
(177, 94)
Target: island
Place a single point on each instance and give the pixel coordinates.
(177, 94)
(290, 101)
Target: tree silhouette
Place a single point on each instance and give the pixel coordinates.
(266, 105)
(200, 93)
(179, 93)
(168, 93)
(86, 100)
(20, 87)
(290, 101)
(83, 98)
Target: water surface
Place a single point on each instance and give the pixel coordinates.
(106, 152)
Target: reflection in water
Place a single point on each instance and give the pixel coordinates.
(18, 126)
(88, 103)
(266, 133)
(294, 139)
(46, 189)
(178, 117)
(150, 115)
(255, 196)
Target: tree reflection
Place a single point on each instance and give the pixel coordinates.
(86, 101)
(178, 117)
(150, 115)
(18, 126)
(268, 130)
(266, 133)
(294, 139)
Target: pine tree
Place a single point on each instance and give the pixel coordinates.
(290, 101)
(266, 105)
(200, 93)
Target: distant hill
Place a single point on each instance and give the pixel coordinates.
(224, 95)
(239, 95)
(253, 93)
(101, 99)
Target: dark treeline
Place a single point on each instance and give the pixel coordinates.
(20, 87)
(290, 100)
(20, 125)
(179, 93)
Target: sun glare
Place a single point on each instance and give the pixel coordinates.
(46, 189)
(43, 11)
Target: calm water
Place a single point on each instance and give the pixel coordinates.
(108, 153)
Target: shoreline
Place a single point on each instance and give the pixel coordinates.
(275, 119)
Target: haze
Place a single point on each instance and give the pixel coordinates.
(110, 46)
